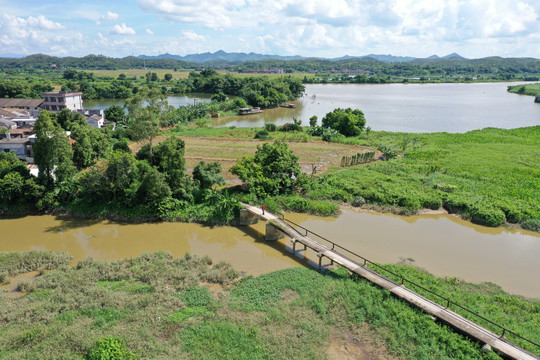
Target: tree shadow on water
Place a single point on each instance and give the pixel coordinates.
(65, 223)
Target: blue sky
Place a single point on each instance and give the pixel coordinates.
(323, 28)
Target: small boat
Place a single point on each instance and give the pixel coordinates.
(288, 106)
(249, 111)
(537, 99)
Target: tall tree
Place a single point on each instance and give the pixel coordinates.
(146, 110)
(273, 170)
(348, 122)
(52, 151)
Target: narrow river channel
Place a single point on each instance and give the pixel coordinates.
(441, 244)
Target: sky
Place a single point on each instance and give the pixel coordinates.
(311, 28)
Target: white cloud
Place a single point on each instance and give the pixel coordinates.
(149, 32)
(192, 36)
(214, 14)
(36, 35)
(122, 30)
(109, 16)
(42, 23)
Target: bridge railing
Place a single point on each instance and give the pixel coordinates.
(404, 281)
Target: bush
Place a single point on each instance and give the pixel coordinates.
(290, 127)
(331, 135)
(531, 224)
(302, 204)
(358, 201)
(270, 127)
(476, 209)
(109, 348)
(262, 135)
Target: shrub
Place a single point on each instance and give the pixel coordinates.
(331, 135)
(262, 135)
(109, 348)
(358, 201)
(290, 127)
(531, 224)
(270, 127)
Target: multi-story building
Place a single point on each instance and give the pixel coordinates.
(56, 101)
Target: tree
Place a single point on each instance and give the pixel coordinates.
(120, 172)
(348, 122)
(168, 77)
(168, 158)
(52, 152)
(208, 174)
(117, 114)
(273, 170)
(67, 119)
(313, 121)
(219, 97)
(145, 121)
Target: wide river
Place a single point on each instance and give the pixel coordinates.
(441, 244)
(395, 107)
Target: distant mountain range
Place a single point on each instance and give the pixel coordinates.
(221, 55)
(241, 57)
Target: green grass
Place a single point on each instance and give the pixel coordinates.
(527, 89)
(91, 308)
(490, 176)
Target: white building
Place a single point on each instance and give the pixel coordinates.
(56, 101)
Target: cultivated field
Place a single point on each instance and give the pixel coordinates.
(318, 154)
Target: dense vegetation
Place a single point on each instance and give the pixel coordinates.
(98, 175)
(255, 91)
(490, 176)
(158, 307)
(490, 67)
(527, 89)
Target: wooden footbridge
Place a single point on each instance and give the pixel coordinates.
(276, 227)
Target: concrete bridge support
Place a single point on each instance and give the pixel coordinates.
(272, 233)
(247, 218)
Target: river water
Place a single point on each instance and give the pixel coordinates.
(441, 244)
(395, 107)
(410, 107)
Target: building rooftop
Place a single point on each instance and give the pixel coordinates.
(14, 141)
(62, 93)
(13, 103)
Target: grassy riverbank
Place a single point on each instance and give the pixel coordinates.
(527, 89)
(188, 308)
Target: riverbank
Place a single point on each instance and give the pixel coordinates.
(526, 89)
(191, 308)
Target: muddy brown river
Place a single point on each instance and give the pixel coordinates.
(442, 244)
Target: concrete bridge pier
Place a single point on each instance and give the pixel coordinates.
(272, 233)
(247, 218)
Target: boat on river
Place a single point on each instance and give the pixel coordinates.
(249, 111)
(288, 106)
(537, 99)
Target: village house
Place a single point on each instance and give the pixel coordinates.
(56, 101)
(31, 106)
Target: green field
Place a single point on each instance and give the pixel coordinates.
(527, 89)
(490, 176)
(158, 307)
